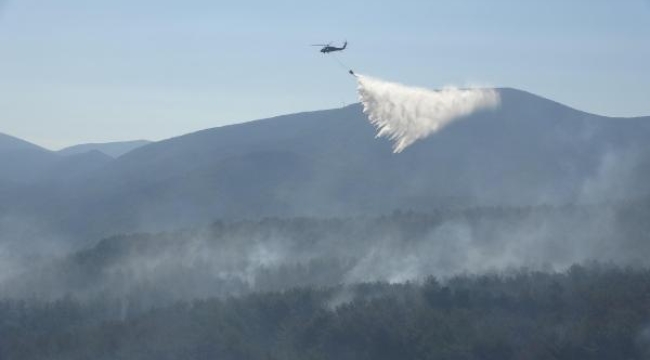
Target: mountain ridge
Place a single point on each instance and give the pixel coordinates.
(113, 149)
(528, 151)
(12, 143)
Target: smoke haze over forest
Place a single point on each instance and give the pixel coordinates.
(169, 188)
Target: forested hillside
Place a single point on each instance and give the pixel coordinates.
(231, 258)
(592, 312)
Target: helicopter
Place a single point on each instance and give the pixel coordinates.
(328, 48)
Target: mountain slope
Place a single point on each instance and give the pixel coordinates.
(112, 149)
(529, 151)
(21, 161)
(10, 143)
(76, 166)
(25, 164)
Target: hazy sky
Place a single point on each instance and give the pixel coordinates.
(75, 71)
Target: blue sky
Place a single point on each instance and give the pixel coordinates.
(74, 71)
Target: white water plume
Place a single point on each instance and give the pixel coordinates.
(406, 114)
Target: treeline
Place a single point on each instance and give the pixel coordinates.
(587, 312)
(240, 257)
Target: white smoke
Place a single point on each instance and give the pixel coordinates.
(406, 114)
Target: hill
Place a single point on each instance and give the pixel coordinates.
(529, 151)
(21, 161)
(10, 143)
(112, 149)
(238, 257)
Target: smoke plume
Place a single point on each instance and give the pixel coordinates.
(406, 114)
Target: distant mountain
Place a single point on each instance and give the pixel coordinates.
(10, 143)
(529, 151)
(21, 161)
(112, 149)
(76, 166)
